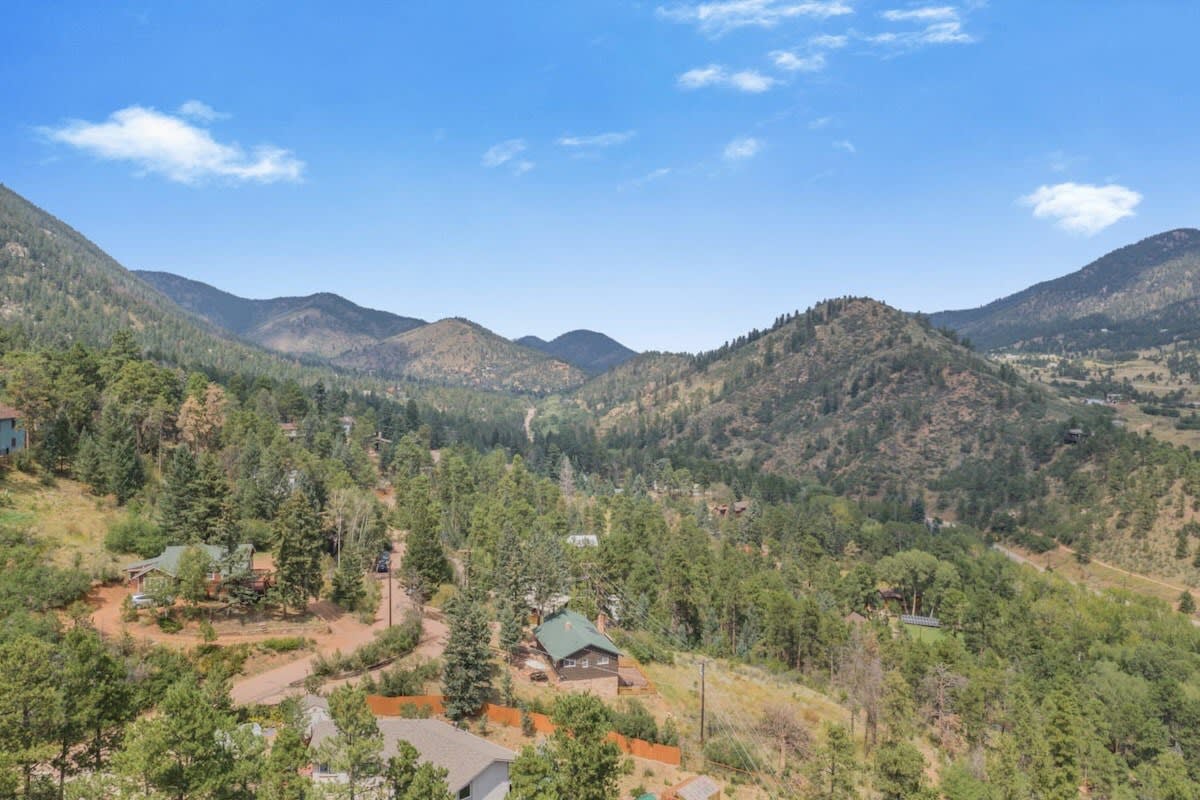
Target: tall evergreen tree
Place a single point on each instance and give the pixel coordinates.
(467, 661)
(356, 750)
(298, 547)
(178, 496)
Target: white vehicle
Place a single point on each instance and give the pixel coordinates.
(142, 601)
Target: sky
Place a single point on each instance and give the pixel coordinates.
(673, 174)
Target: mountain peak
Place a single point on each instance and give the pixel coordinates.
(591, 351)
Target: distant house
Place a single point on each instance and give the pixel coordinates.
(699, 787)
(577, 649)
(347, 424)
(12, 438)
(476, 768)
(583, 540)
(1074, 436)
(924, 622)
(166, 565)
(737, 509)
(289, 429)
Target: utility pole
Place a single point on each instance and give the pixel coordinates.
(389, 574)
(703, 664)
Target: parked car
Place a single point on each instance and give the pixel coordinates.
(383, 563)
(142, 601)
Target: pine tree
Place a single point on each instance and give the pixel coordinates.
(424, 557)
(357, 748)
(210, 518)
(298, 546)
(467, 670)
(512, 628)
(428, 783)
(1187, 603)
(177, 498)
(348, 590)
(587, 763)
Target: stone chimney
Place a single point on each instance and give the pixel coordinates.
(602, 622)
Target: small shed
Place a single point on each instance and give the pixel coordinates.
(700, 787)
(12, 435)
(1074, 436)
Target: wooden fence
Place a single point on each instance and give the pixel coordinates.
(511, 717)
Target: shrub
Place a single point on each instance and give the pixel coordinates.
(168, 624)
(388, 643)
(135, 534)
(285, 644)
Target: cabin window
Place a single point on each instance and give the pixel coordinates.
(465, 793)
(601, 661)
(568, 662)
(584, 663)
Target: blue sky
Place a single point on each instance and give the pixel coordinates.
(670, 173)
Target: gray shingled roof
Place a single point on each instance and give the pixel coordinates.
(566, 632)
(463, 754)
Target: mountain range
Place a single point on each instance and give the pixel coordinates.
(1142, 295)
(454, 351)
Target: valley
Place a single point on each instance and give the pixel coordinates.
(876, 543)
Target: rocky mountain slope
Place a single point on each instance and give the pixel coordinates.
(461, 352)
(852, 391)
(590, 351)
(1141, 295)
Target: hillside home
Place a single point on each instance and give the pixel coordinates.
(477, 769)
(12, 437)
(165, 567)
(583, 540)
(577, 649)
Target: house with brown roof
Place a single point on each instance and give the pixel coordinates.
(476, 768)
(12, 435)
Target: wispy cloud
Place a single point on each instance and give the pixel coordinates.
(610, 139)
(827, 41)
(921, 14)
(201, 111)
(742, 148)
(789, 61)
(1081, 207)
(170, 146)
(715, 75)
(942, 25)
(507, 152)
(846, 146)
(649, 177)
(819, 123)
(718, 17)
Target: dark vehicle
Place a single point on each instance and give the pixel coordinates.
(384, 562)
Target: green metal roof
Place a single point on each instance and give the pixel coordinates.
(565, 633)
(168, 561)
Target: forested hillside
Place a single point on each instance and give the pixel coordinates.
(1141, 295)
(324, 324)
(590, 351)
(850, 392)
(56, 287)
(461, 352)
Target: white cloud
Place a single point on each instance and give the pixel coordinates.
(201, 111)
(845, 145)
(788, 61)
(170, 146)
(649, 177)
(950, 32)
(819, 123)
(942, 25)
(718, 17)
(1081, 207)
(597, 140)
(921, 14)
(742, 148)
(503, 152)
(828, 41)
(716, 75)
(521, 167)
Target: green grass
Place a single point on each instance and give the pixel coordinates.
(920, 633)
